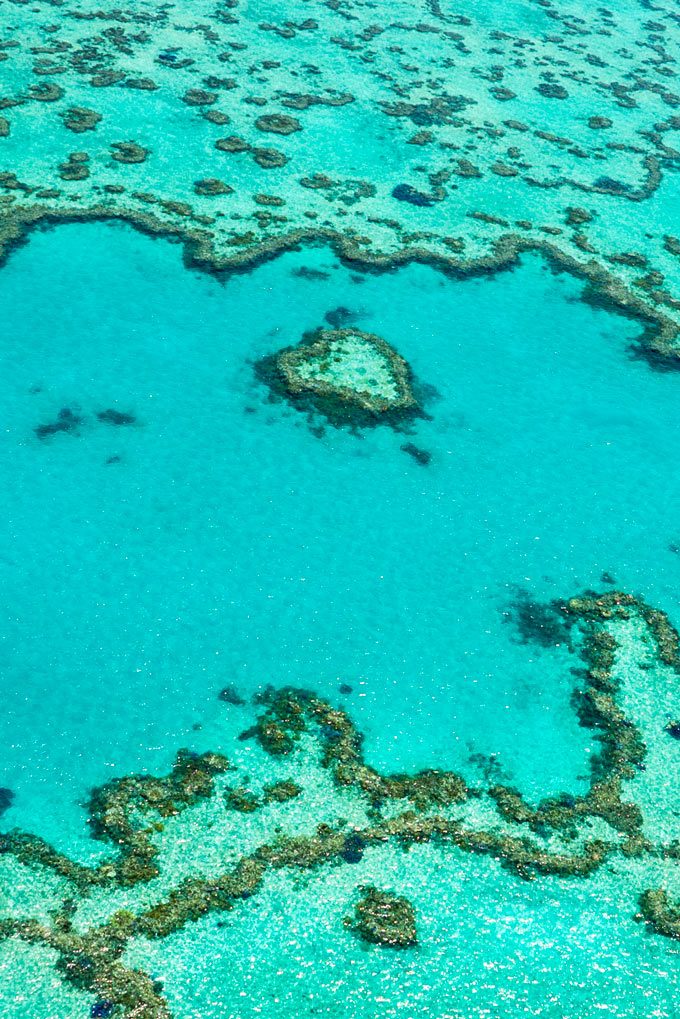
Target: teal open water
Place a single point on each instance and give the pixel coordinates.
(208, 535)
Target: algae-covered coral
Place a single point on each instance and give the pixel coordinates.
(619, 639)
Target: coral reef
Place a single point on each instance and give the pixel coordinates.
(446, 83)
(468, 188)
(278, 123)
(128, 152)
(349, 376)
(622, 747)
(129, 813)
(79, 119)
(478, 93)
(657, 342)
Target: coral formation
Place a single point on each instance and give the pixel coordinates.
(385, 919)
(349, 376)
(278, 123)
(657, 342)
(128, 152)
(79, 119)
(476, 102)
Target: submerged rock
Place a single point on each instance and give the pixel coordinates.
(353, 849)
(673, 728)
(340, 318)
(101, 1010)
(230, 695)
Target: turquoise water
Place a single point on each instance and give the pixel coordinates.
(172, 528)
(218, 540)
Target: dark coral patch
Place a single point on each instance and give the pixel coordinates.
(128, 152)
(79, 119)
(67, 421)
(407, 193)
(537, 622)
(111, 416)
(673, 728)
(6, 799)
(421, 456)
(278, 123)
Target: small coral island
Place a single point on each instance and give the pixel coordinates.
(350, 377)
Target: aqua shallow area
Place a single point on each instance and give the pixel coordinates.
(217, 540)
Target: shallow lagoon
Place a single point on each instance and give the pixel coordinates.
(218, 539)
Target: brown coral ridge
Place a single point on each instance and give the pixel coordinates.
(290, 712)
(91, 962)
(657, 343)
(339, 405)
(622, 747)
